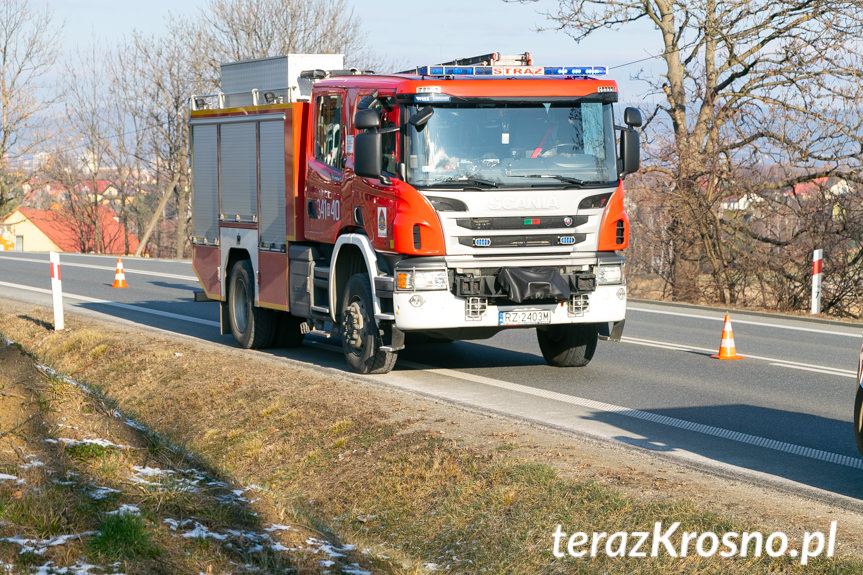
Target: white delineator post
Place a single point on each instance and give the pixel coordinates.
(56, 290)
(816, 281)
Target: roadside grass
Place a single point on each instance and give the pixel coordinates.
(124, 536)
(84, 486)
(339, 467)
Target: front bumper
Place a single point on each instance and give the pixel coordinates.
(440, 310)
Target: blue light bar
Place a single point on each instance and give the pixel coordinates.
(514, 71)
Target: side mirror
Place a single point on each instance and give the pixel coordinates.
(632, 117)
(367, 119)
(367, 101)
(630, 152)
(422, 117)
(368, 152)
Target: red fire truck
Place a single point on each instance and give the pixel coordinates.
(448, 202)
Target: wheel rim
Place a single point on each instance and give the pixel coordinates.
(241, 312)
(354, 326)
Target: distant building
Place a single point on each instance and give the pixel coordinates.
(741, 204)
(32, 230)
(830, 187)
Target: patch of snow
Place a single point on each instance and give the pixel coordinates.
(198, 531)
(126, 509)
(39, 546)
(99, 492)
(97, 441)
(151, 471)
(132, 423)
(327, 547)
(201, 532)
(50, 568)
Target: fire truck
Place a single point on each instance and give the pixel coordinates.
(446, 202)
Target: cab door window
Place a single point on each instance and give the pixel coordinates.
(389, 141)
(329, 130)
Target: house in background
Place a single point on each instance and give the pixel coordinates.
(32, 230)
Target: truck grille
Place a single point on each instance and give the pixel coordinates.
(522, 241)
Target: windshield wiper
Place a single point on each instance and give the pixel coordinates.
(567, 179)
(467, 180)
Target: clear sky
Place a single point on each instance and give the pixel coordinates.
(408, 32)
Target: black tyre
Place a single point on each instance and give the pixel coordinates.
(361, 339)
(252, 327)
(858, 406)
(288, 330)
(568, 345)
(858, 419)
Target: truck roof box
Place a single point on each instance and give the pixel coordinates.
(279, 76)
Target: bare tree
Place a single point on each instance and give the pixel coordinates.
(745, 82)
(187, 59)
(87, 102)
(166, 76)
(231, 30)
(28, 40)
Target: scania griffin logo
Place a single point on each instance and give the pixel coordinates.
(539, 203)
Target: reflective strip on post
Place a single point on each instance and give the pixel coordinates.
(56, 290)
(816, 281)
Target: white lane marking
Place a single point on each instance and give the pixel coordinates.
(771, 360)
(67, 264)
(125, 306)
(828, 371)
(748, 322)
(736, 436)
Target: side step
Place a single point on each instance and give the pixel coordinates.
(201, 296)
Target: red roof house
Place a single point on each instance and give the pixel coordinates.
(54, 230)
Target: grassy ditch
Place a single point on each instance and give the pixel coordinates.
(367, 473)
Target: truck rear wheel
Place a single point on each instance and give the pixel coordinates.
(252, 327)
(858, 418)
(568, 345)
(361, 339)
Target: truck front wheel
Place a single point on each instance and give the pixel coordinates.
(568, 345)
(361, 339)
(253, 327)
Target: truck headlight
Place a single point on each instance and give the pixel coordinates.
(606, 275)
(420, 280)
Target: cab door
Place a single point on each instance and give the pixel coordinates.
(325, 177)
(374, 203)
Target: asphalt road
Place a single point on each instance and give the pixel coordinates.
(782, 414)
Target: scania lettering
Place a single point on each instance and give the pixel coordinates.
(449, 201)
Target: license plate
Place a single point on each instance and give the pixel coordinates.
(524, 317)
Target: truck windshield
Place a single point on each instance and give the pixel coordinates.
(507, 144)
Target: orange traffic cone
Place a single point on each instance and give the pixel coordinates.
(119, 276)
(726, 346)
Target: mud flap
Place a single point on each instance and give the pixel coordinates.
(224, 319)
(611, 330)
(523, 284)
